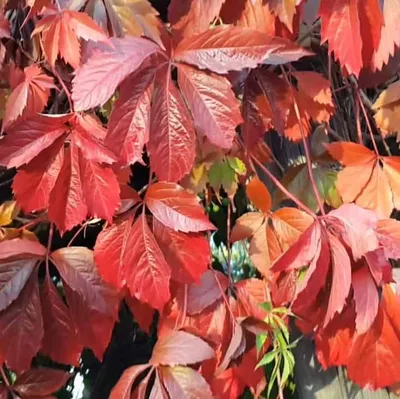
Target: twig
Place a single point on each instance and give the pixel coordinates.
(283, 188)
(66, 91)
(306, 148)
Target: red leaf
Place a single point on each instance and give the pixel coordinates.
(67, 206)
(33, 183)
(60, 340)
(255, 14)
(29, 97)
(142, 313)
(366, 299)
(208, 291)
(379, 266)
(124, 385)
(172, 136)
(341, 278)
(227, 48)
(93, 328)
(334, 342)
(187, 254)
(180, 348)
(130, 256)
(341, 27)
(189, 17)
(100, 189)
(88, 134)
(28, 138)
(301, 252)
(111, 253)
(21, 248)
(374, 360)
(227, 384)
(60, 32)
(213, 104)
(40, 382)
(95, 82)
(184, 382)
(250, 294)
(176, 208)
(128, 127)
(21, 328)
(76, 267)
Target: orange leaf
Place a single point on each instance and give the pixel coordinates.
(259, 194)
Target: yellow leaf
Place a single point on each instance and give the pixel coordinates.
(197, 179)
(8, 211)
(11, 233)
(387, 106)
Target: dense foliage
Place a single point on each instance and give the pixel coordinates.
(146, 153)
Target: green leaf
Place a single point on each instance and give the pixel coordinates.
(267, 359)
(237, 165)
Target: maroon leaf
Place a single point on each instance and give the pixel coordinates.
(187, 254)
(21, 328)
(96, 81)
(28, 138)
(60, 340)
(211, 288)
(77, 268)
(189, 17)
(93, 328)
(172, 138)
(213, 104)
(177, 208)
(40, 382)
(128, 127)
(142, 313)
(180, 347)
(19, 248)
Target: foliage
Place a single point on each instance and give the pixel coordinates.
(152, 134)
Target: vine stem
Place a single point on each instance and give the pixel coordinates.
(358, 123)
(305, 144)
(228, 243)
(31, 223)
(67, 93)
(6, 381)
(49, 242)
(283, 188)
(364, 111)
